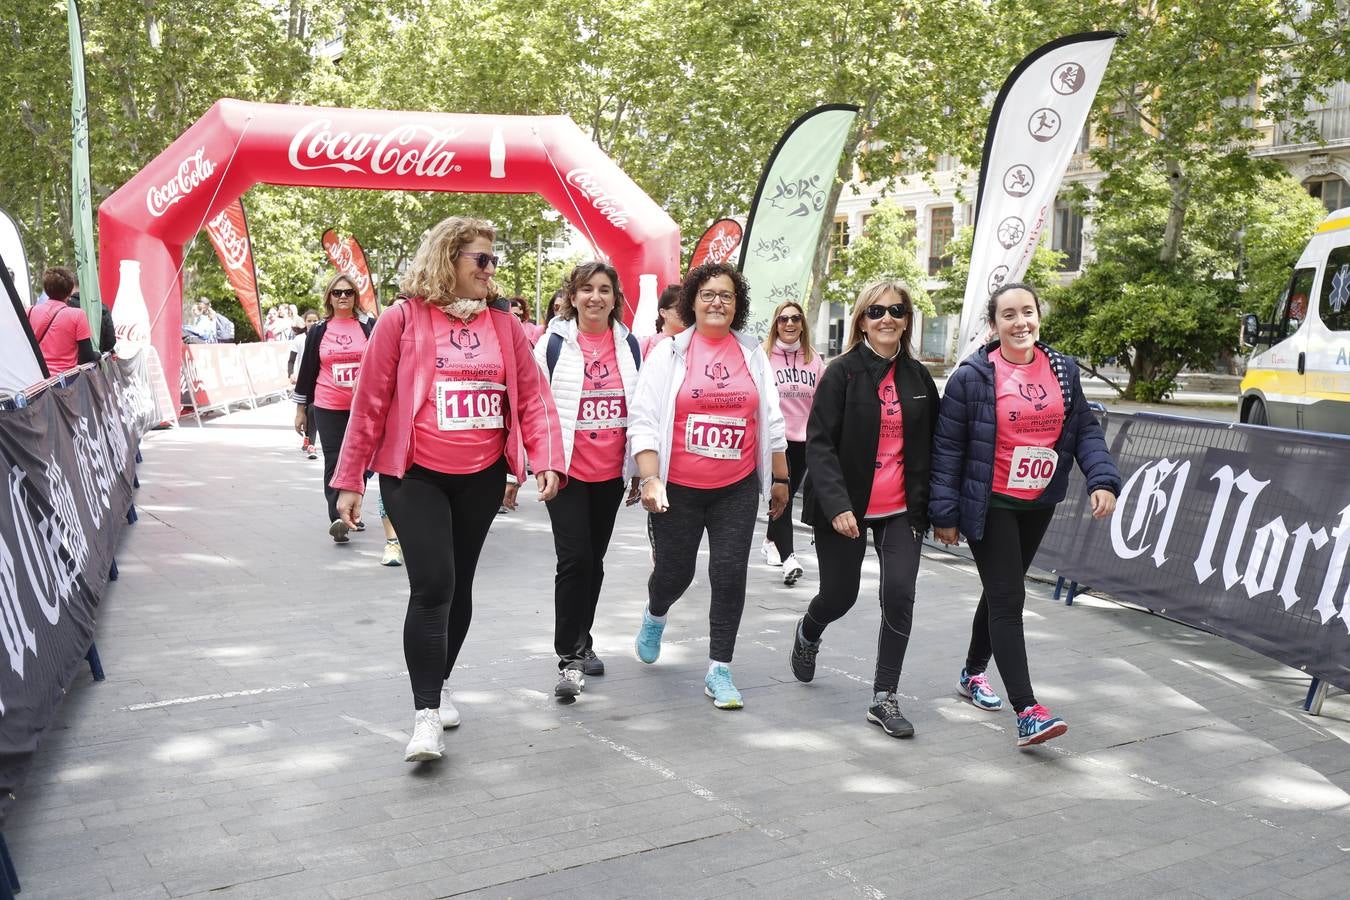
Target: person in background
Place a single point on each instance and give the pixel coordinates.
(668, 322)
(62, 332)
(1012, 423)
(107, 333)
(868, 458)
(326, 383)
(520, 308)
(796, 370)
(311, 319)
(707, 436)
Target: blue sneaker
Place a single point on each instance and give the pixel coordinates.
(1035, 725)
(976, 689)
(717, 685)
(648, 643)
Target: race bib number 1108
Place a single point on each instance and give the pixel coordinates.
(469, 405)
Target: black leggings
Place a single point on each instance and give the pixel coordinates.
(311, 426)
(728, 515)
(1002, 556)
(332, 425)
(583, 516)
(442, 521)
(780, 529)
(897, 545)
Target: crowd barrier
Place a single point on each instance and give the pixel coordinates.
(218, 376)
(68, 455)
(1239, 530)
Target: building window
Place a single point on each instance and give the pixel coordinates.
(838, 237)
(1331, 190)
(939, 233)
(1084, 139)
(1068, 236)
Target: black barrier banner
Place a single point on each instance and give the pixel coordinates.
(67, 466)
(1239, 530)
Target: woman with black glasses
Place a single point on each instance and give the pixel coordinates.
(868, 451)
(334, 349)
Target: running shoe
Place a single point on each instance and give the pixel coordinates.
(769, 550)
(1035, 725)
(717, 685)
(571, 681)
(803, 655)
(976, 689)
(885, 711)
(592, 664)
(792, 570)
(449, 715)
(360, 526)
(393, 553)
(338, 531)
(426, 743)
(648, 643)
(313, 454)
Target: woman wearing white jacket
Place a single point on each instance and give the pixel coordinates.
(591, 361)
(708, 438)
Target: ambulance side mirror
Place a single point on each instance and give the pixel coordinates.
(1251, 329)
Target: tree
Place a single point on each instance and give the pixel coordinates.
(1042, 270)
(884, 250)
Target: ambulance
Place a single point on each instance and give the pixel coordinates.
(1298, 375)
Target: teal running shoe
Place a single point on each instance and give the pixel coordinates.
(1036, 725)
(648, 643)
(717, 685)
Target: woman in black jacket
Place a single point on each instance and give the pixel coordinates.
(868, 443)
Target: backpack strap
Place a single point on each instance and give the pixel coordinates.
(555, 341)
(636, 351)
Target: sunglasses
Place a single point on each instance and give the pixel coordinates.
(483, 259)
(342, 292)
(876, 311)
(789, 320)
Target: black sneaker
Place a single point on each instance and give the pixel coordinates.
(591, 664)
(886, 713)
(803, 656)
(571, 680)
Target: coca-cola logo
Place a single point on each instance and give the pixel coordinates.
(191, 172)
(722, 245)
(232, 245)
(608, 205)
(415, 148)
(340, 252)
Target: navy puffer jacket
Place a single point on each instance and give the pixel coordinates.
(963, 447)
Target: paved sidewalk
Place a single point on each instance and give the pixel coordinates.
(248, 741)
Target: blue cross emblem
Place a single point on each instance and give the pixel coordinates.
(1340, 288)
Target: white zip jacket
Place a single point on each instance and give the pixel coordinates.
(568, 375)
(651, 413)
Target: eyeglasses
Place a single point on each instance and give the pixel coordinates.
(789, 320)
(876, 311)
(342, 292)
(726, 297)
(483, 259)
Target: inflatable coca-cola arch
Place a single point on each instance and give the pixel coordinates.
(237, 144)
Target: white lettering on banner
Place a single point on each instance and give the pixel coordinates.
(232, 244)
(51, 573)
(720, 247)
(95, 475)
(608, 205)
(191, 173)
(1277, 555)
(340, 252)
(66, 515)
(14, 628)
(415, 148)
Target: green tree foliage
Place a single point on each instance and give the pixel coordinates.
(885, 250)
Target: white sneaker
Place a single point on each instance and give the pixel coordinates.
(426, 743)
(769, 550)
(792, 570)
(449, 715)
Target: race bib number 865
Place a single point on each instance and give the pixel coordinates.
(716, 437)
(469, 405)
(602, 409)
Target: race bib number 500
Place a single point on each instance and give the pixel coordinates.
(1032, 468)
(469, 405)
(716, 437)
(344, 374)
(602, 409)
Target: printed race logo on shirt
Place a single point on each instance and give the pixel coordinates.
(598, 373)
(717, 373)
(464, 340)
(890, 401)
(469, 405)
(1034, 394)
(716, 437)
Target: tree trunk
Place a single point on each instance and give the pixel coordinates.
(1176, 212)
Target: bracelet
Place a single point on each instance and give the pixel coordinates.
(511, 479)
(642, 482)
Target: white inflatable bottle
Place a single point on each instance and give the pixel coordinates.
(644, 317)
(497, 154)
(130, 314)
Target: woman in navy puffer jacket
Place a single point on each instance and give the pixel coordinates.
(1013, 420)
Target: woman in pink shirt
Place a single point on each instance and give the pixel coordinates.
(326, 382)
(796, 370)
(62, 331)
(449, 403)
(707, 436)
(591, 361)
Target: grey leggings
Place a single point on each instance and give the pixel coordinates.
(728, 515)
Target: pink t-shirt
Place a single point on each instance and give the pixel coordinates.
(796, 380)
(59, 342)
(461, 429)
(533, 331)
(651, 341)
(716, 416)
(340, 353)
(888, 477)
(1029, 410)
(602, 413)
